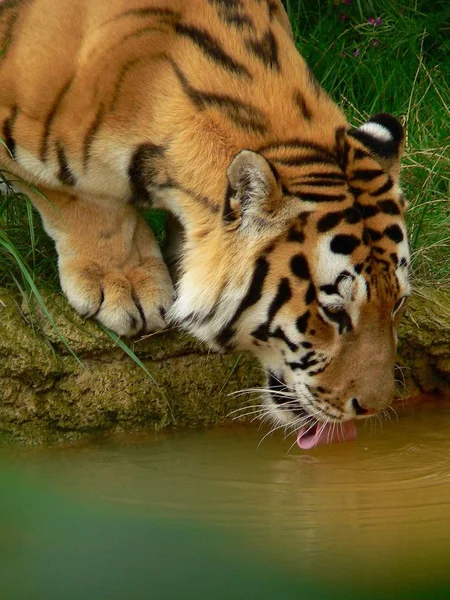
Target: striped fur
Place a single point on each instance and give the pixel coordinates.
(294, 243)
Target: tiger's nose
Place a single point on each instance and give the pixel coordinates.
(360, 410)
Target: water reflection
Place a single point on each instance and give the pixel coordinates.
(375, 513)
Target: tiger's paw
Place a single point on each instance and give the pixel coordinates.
(132, 302)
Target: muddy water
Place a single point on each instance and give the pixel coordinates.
(210, 514)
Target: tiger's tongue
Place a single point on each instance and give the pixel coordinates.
(319, 435)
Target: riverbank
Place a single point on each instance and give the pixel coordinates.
(46, 394)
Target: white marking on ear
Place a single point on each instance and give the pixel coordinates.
(377, 131)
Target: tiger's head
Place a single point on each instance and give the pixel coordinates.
(309, 270)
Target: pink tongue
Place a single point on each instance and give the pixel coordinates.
(331, 433)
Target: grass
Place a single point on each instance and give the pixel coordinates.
(371, 56)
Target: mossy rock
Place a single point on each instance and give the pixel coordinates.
(48, 394)
(424, 341)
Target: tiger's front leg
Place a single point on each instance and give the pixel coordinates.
(110, 265)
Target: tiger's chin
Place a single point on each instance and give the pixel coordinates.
(313, 426)
(311, 431)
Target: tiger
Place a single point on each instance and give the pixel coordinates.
(293, 240)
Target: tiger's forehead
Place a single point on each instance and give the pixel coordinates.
(334, 249)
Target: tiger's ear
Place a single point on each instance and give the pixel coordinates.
(384, 137)
(253, 189)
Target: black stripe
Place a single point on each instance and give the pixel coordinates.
(344, 157)
(238, 20)
(310, 197)
(266, 49)
(367, 174)
(329, 221)
(278, 389)
(374, 235)
(317, 371)
(300, 102)
(212, 48)
(229, 215)
(319, 183)
(208, 317)
(302, 322)
(7, 132)
(340, 317)
(284, 294)
(138, 305)
(307, 361)
(299, 144)
(228, 4)
(148, 12)
(344, 244)
(50, 119)
(356, 191)
(299, 266)
(200, 198)
(340, 143)
(243, 115)
(6, 5)
(388, 207)
(120, 79)
(394, 258)
(295, 236)
(295, 161)
(280, 334)
(360, 154)
(367, 210)
(352, 215)
(394, 233)
(142, 171)
(231, 12)
(272, 8)
(384, 188)
(252, 296)
(65, 175)
(90, 135)
(165, 14)
(310, 295)
(330, 289)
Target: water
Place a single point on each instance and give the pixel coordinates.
(208, 514)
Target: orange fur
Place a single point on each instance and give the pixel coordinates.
(108, 105)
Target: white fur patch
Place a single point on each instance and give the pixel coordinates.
(351, 289)
(45, 173)
(377, 131)
(329, 264)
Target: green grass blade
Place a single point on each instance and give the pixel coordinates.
(5, 243)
